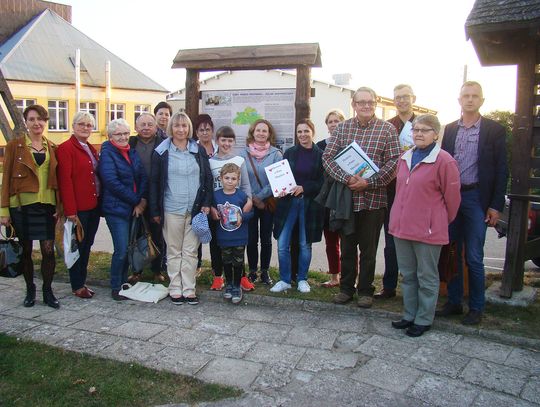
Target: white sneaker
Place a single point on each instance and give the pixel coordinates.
(280, 286)
(303, 286)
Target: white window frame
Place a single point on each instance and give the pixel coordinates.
(24, 103)
(140, 109)
(55, 113)
(116, 109)
(85, 107)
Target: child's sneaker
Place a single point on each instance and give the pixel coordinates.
(236, 295)
(246, 284)
(217, 284)
(228, 292)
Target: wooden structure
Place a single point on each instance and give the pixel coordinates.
(14, 113)
(508, 33)
(301, 57)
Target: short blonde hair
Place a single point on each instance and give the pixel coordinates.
(178, 117)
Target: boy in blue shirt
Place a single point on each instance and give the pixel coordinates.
(232, 232)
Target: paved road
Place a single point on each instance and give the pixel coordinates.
(286, 352)
(494, 251)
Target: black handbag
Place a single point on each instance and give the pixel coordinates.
(141, 249)
(10, 254)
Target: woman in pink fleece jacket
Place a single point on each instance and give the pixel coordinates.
(427, 200)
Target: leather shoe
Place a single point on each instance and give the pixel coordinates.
(365, 301)
(83, 292)
(449, 309)
(473, 317)
(30, 298)
(385, 293)
(402, 324)
(342, 298)
(417, 330)
(50, 299)
(134, 278)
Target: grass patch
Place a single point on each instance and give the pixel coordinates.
(39, 375)
(512, 320)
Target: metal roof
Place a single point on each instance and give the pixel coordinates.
(43, 50)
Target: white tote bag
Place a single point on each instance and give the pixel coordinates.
(71, 245)
(145, 292)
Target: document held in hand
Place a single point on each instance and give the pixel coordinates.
(280, 177)
(353, 160)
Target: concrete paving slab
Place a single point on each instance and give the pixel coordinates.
(296, 318)
(275, 353)
(63, 317)
(312, 337)
(315, 360)
(348, 342)
(434, 339)
(524, 359)
(15, 326)
(221, 326)
(437, 361)
(531, 391)
(382, 327)
(482, 349)
(443, 392)
(181, 338)
(49, 334)
(494, 399)
(389, 349)
(387, 375)
(263, 331)
(98, 323)
(496, 377)
(273, 376)
(138, 329)
(89, 342)
(227, 346)
(29, 313)
(232, 372)
(259, 314)
(345, 323)
(178, 360)
(131, 350)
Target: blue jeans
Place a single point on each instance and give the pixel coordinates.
(469, 228)
(78, 272)
(296, 214)
(119, 228)
(266, 220)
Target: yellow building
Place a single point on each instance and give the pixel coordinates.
(38, 62)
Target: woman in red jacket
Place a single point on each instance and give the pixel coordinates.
(427, 200)
(78, 183)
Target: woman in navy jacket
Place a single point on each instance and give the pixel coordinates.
(125, 191)
(180, 188)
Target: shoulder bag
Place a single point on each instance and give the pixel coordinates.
(10, 254)
(270, 203)
(142, 249)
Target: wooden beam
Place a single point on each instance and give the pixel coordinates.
(192, 93)
(512, 279)
(303, 93)
(14, 113)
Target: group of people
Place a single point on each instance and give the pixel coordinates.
(424, 193)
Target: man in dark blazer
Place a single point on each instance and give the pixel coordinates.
(478, 145)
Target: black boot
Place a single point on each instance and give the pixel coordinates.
(49, 298)
(265, 277)
(30, 299)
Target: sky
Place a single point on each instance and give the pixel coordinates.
(380, 43)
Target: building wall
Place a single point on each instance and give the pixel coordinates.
(43, 93)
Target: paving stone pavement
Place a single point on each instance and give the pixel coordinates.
(285, 352)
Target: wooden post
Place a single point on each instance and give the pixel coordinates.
(14, 113)
(192, 93)
(303, 92)
(512, 278)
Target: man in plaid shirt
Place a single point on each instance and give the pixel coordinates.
(380, 141)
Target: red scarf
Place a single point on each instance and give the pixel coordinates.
(123, 150)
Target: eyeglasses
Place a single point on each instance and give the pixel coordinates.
(365, 103)
(87, 125)
(404, 97)
(422, 131)
(125, 134)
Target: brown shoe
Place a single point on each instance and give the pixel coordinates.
(134, 278)
(473, 317)
(385, 293)
(342, 298)
(365, 301)
(159, 278)
(83, 292)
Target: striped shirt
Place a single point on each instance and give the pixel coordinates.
(466, 152)
(380, 141)
(182, 182)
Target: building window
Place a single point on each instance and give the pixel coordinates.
(117, 111)
(92, 108)
(141, 109)
(24, 103)
(58, 115)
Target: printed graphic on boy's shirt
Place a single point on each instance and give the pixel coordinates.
(229, 216)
